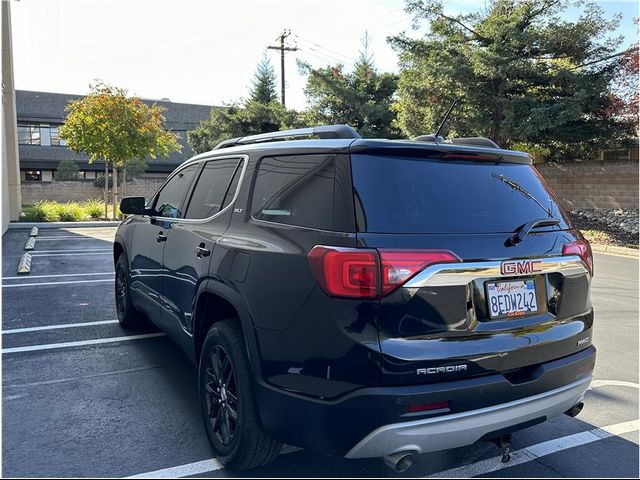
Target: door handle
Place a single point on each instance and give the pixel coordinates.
(202, 252)
(160, 237)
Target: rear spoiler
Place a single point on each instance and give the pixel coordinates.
(440, 151)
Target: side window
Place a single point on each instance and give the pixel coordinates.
(170, 199)
(296, 190)
(209, 193)
(233, 186)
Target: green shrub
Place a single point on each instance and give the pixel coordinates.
(70, 212)
(32, 214)
(47, 211)
(94, 208)
(67, 170)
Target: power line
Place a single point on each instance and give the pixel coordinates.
(331, 58)
(325, 48)
(282, 37)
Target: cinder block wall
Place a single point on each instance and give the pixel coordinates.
(593, 184)
(77, 191)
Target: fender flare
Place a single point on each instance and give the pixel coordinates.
(119, 240)
(234, 298)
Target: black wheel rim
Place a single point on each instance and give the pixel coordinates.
(121, 292)
(222, 396)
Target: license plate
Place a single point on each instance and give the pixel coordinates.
(512, 299)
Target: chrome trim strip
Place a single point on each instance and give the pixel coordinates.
(452, 274)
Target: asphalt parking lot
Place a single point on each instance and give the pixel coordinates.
(81, 397)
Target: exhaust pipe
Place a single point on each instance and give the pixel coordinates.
(399, 462)
(575, 410)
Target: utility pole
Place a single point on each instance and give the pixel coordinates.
(282, 37)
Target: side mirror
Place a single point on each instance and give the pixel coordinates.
(132, 205)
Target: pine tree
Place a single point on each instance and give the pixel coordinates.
(263, 89)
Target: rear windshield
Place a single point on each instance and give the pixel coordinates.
(418, 195)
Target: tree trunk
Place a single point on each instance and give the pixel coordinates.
(115, 192)
(106, 189)
(124, 182)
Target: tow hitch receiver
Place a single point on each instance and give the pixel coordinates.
(504, 442)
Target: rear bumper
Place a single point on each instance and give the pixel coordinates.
(340, 426)
(457, 430)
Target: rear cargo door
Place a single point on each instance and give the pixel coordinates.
(496, 305)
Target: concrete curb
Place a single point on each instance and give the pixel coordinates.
(627, 252)
(29, 225)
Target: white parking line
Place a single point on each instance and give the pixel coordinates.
(35, 254)
(71, 237)
(183, 470)
(613, 383)
(80, 377)
(81, 343)
(538, 450)
(58, 283)
(76, 250)
(23, 277)
(56, 327)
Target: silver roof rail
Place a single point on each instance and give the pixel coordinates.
(324, 131)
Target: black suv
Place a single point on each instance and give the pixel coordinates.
(361, 297)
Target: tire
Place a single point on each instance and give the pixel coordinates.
(245, 444)
(128, 316)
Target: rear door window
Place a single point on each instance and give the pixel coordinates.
(422, 195)
(296, 190)
(212, 187)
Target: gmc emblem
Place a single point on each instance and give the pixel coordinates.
(520, 267)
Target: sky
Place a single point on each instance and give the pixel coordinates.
(206, 52)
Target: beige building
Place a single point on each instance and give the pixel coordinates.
(11, 201)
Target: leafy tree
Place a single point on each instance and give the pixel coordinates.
(67, 170)
(263, 89)
(109, 125)
(523, 73)
(362, 98)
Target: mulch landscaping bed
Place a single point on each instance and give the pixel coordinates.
(615, 236)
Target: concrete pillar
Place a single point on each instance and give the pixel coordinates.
(11, 198)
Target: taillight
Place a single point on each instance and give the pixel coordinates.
(345, 272)
(581, 248)
(367, 273)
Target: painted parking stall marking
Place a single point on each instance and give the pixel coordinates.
(34, 284)
(22, 277)
(56, 327)
(81, 343)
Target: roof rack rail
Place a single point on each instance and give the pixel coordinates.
(323, 131)
(475, 141)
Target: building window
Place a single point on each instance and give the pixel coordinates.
(29, 134)
(40, 134)
(55, 137)
(33, 175)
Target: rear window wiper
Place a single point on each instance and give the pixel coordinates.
(523, 230)
(519, 188)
